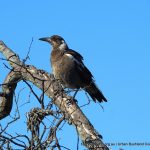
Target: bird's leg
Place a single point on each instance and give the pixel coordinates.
(69, 101)
(76, 91)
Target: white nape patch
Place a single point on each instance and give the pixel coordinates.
(74, 59)
(63, 45)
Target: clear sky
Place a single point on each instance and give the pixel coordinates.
(114, 38)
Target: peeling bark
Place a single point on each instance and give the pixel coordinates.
(46, 82)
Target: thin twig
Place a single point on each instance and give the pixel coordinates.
(4, 137)
(27, 56)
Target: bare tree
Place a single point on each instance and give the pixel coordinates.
(66, 110)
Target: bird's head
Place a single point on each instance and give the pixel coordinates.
(56, 41)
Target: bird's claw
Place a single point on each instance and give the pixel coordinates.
(69, 102)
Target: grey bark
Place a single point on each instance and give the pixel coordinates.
(46, 82)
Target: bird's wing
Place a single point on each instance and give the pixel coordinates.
(85, 74)
(75, 55)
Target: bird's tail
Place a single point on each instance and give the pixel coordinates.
(95, 93)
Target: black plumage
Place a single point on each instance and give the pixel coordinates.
(68, 67)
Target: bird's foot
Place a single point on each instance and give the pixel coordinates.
(69, 102)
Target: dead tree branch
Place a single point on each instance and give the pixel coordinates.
(46, 82)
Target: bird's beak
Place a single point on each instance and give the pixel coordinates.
(46, 39)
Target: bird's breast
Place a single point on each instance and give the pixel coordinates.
(62, 66)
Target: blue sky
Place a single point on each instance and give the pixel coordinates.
(114, 38)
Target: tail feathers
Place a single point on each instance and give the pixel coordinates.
(95, 93)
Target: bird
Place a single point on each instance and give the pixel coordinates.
(69, 69)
